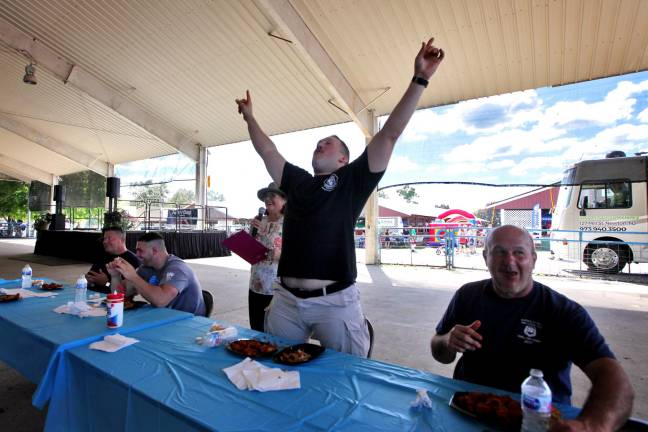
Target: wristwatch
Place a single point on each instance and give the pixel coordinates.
(420, 81)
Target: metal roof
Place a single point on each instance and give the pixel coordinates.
(124, 80)
(544, 197)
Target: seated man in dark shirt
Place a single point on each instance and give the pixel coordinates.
(508, 324)
(114, 243)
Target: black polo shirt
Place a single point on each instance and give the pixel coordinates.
(319, 220)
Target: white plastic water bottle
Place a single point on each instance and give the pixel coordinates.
(536, 403)
(81, 290)
(26, 277)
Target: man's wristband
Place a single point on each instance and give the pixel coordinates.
(420, 81)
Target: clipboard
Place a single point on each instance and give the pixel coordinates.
(246, 246)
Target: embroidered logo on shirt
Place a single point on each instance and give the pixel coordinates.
(530, 331)
(169, 275)
(330, 183)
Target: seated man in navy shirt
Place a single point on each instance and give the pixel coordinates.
(508, 324)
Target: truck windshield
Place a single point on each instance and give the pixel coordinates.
(564, 197)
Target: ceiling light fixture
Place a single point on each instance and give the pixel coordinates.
(30, 74)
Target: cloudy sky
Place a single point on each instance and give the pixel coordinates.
(523, 137)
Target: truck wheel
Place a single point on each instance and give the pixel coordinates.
(605, 258)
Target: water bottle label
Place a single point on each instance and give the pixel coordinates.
(539, 404)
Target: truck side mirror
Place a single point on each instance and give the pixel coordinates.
(584, 206)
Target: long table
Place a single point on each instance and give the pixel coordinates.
(33, 337)
(168, 382)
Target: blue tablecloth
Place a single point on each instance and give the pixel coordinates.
(32, 336)
(168, 382)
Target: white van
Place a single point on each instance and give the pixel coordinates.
(602, 206)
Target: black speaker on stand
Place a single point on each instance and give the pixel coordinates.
(58, 218)
(112, 218)
(112, 192)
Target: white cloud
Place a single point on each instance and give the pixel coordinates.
(643, 116)
(624, 90)
(625, 137)
(483, 148)
(617, 105)
(553, 146)
(402, 164)
(497, 165)
(538, 162)
(238, 172)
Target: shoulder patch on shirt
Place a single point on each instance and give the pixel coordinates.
(330, 183)
(169, 275)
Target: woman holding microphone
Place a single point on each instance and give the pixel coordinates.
(267, 230)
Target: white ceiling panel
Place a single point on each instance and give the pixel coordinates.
(183, 62)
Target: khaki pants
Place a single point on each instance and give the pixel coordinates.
(336, 320)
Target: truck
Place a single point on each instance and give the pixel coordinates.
(601, 213)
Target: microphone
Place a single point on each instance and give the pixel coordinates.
(258, 217)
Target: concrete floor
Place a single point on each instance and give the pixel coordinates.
(403, 303)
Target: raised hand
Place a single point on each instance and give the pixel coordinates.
(245, 105)
(465, 338)
(112, 270)
(427, 60)
(124, 268)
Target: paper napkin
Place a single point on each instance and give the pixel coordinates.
(80, 309)
(252, 375)
(113, 343)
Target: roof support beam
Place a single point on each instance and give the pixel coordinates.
(23, 171)
(372, 235)
(80, 79)
(293, 27)
(68, 151)
(13, 174)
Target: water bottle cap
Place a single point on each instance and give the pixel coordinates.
(537, 373)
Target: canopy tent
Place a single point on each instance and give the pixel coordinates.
(120, 81)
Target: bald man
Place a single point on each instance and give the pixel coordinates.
(508, 324)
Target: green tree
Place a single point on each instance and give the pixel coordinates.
(212, 195)
(442, 206)
(183, 196)
(13, 199)
(408, 193)
(149, 192)
(84, 189)
(382, 194)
